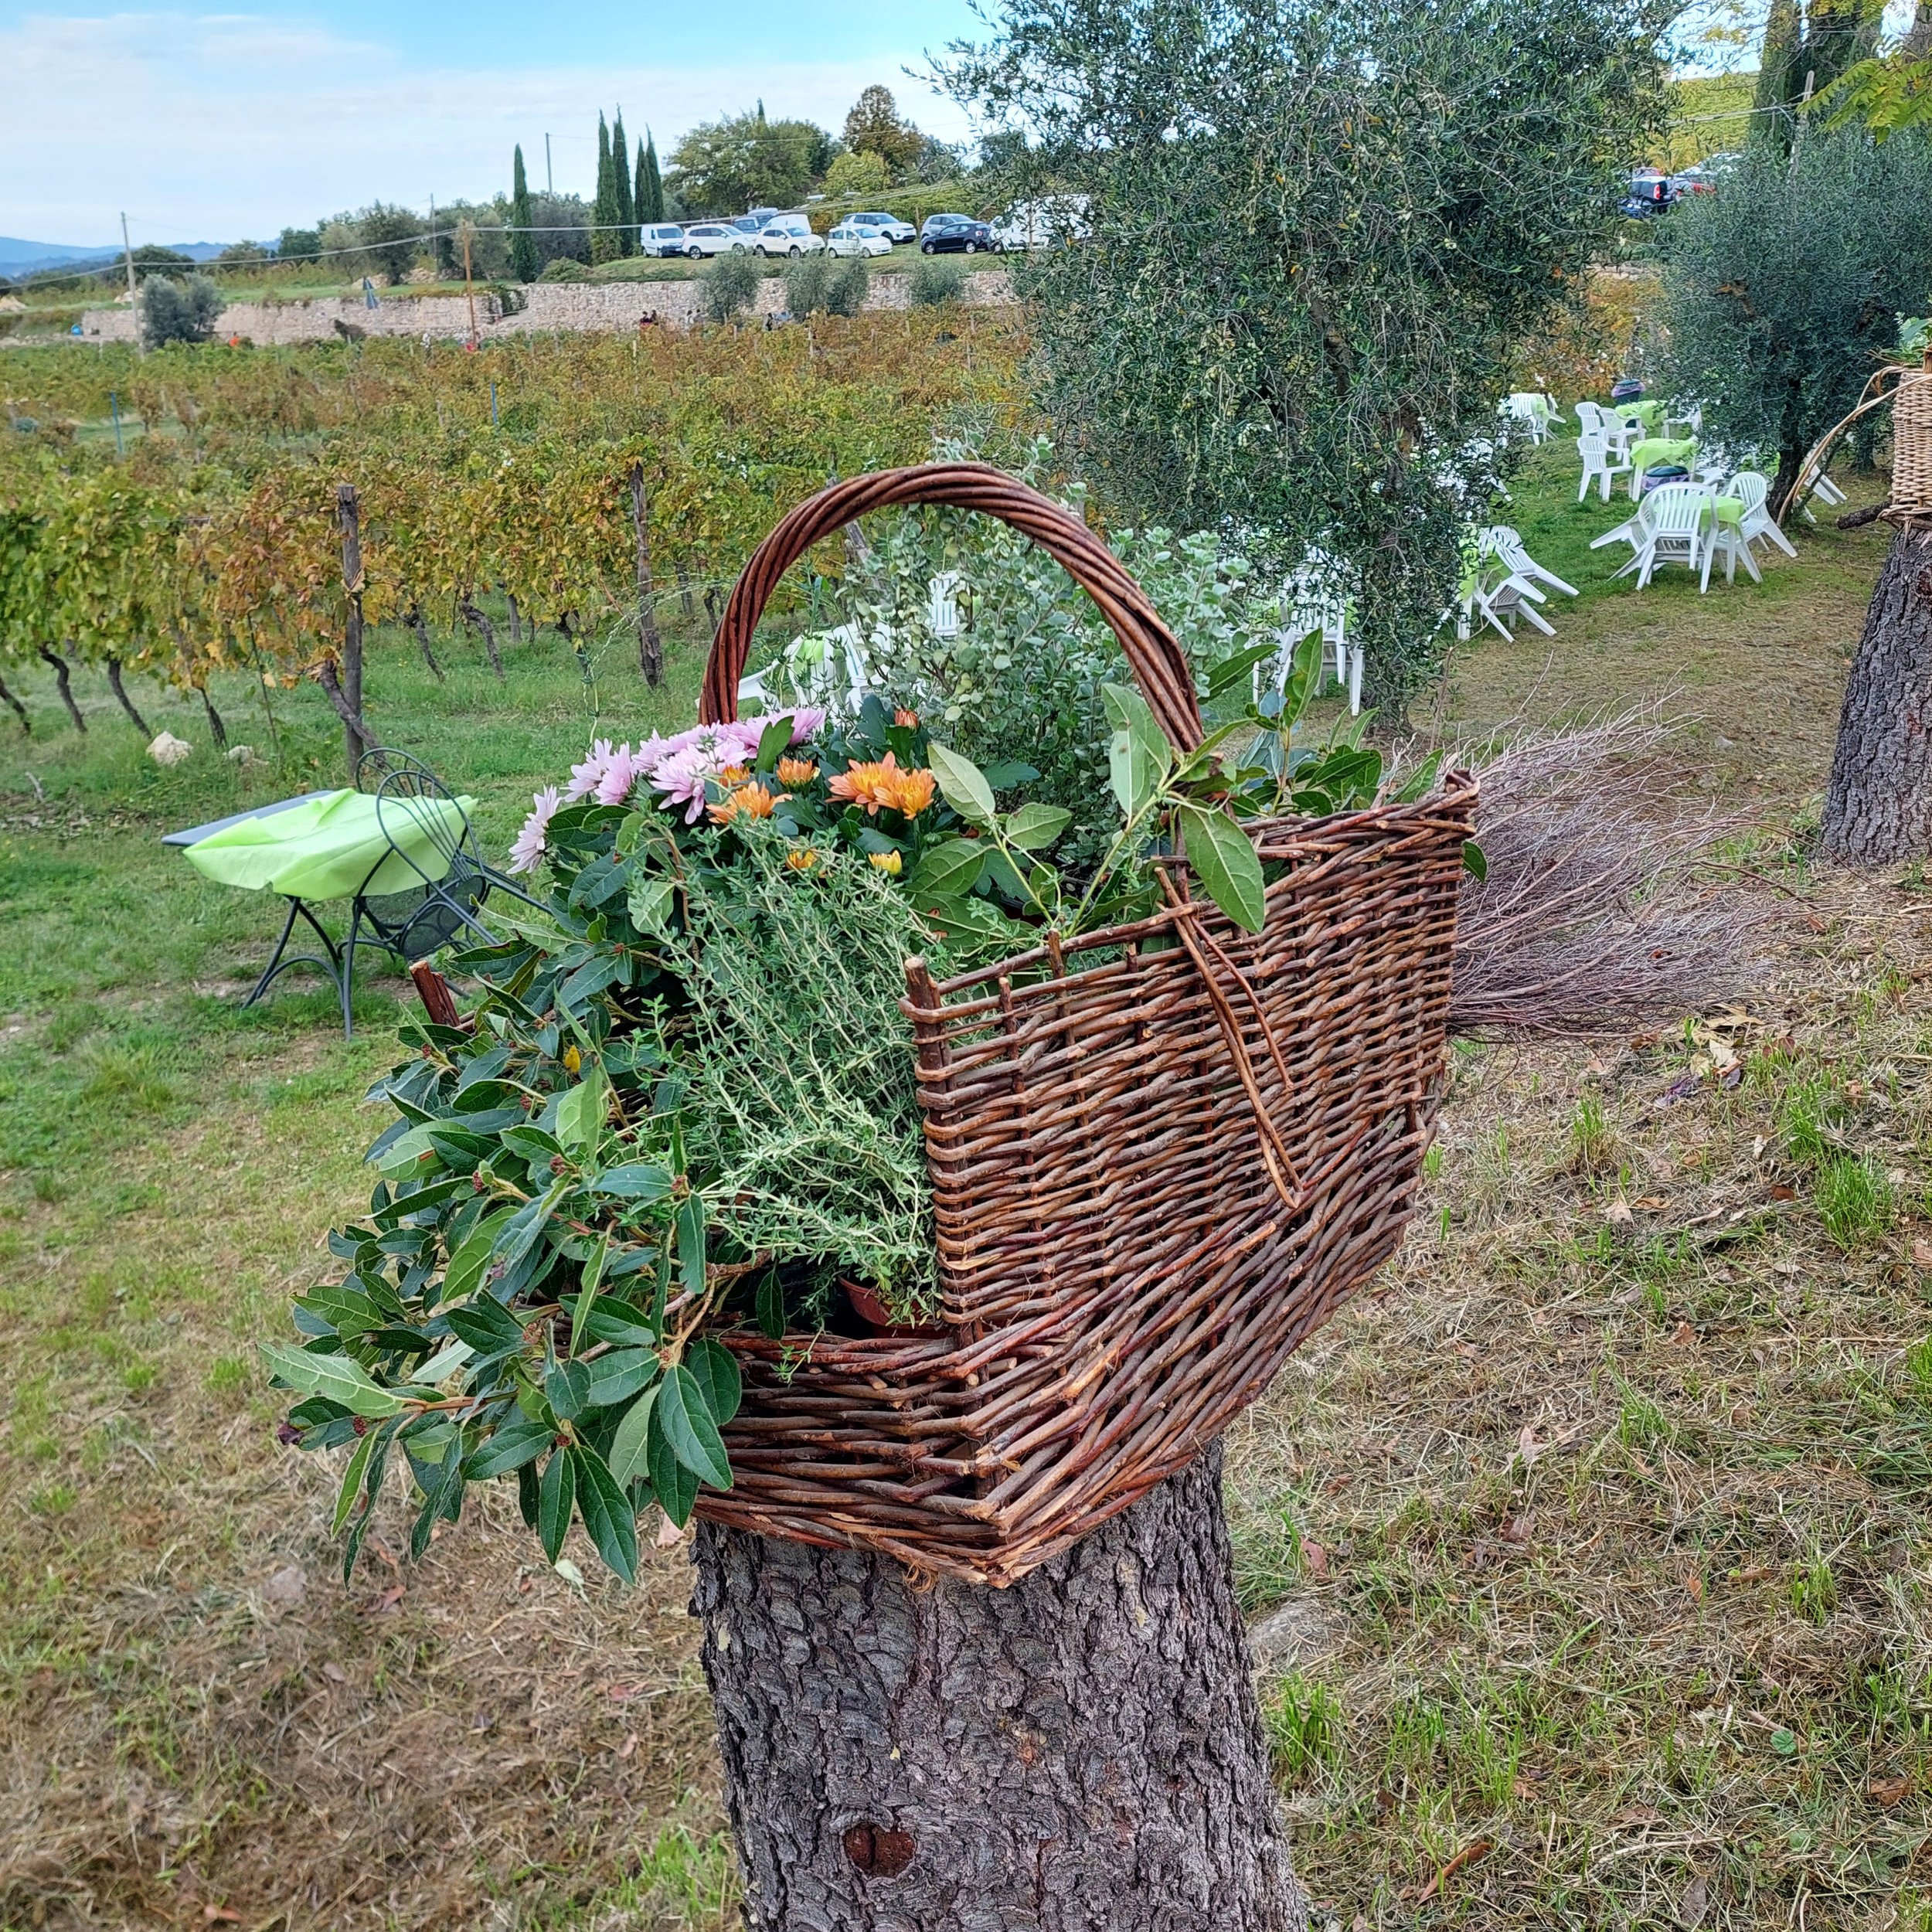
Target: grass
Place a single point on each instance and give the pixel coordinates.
(1607, 1506)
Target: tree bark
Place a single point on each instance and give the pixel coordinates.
(413, 617)
(217, 729)
(19, 710)
(349, 515)
(64, 678)
(1878, 804)
(1080, 1752)
(650, 644)
(516, 621)
(478, 619)
(126, 702)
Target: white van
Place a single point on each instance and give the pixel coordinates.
(660, 238)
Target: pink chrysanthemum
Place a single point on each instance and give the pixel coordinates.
(682, 776)
(584, 778)
(527, 853)
(619, 775)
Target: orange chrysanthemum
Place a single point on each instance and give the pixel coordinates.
(869, 785)
(796, 771)
(888, 862)
(909, 719)
(913, 792)
(801, 859)
(748, 801)
(733, 775)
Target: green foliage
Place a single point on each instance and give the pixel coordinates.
(605, 245)
(805, 284)
(1782, 292)
(650, 184)
(388, 237)
(624, 192)
(1304, 1727)
(728, 286)
(847, 285)
(1808, 46)
(744, 161)
(1292, 315)
(853, 175)
(875, 130)
(178, 311)
(1855, 1200)
(523, 255)
(936, 279)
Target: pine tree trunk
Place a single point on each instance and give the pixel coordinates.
(1080, 1752)
(1878, 804)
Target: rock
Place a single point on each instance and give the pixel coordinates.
(168, 750)
(1291, 1636)
(241, 754)
(287, 1586)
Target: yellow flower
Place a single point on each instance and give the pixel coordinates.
(748, 801)
(801, 859)
(733, 775)
(796, 771)
(888, 862)
(572, 1058)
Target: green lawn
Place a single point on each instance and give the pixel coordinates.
(1673, 1651)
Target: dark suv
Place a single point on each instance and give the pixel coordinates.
(954, 235)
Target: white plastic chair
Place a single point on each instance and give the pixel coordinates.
(942, 608)
(1505, 544)
(1601, 462)
(1674, 514)
(822, 667)
(1690, 423)
(1729, 539)
(1310, 608)
(1752, 490)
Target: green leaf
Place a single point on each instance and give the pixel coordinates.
(691, 1243)
(346, 1310)
(635, 1181)
(1473, 863)
(771, 1306)
(1138, 756)
(1420, 780)
(1299, 685)
(962, 784)
(1225, 862)
(1232, 670)
(688, 1429)
(556, 1496)
(337, 1377)
(588, 1293)
(568, 1386)
(486, 1326)
(580, 1115)
(772, 742)
(465, 1271)
(1009, 772)
(617, 1376)
(518, 1235)
(352, 1481)
(675, 1486)
(630, 1448)
(607, 1512)
(650, 904)
(1034, 826)
(950, 869)
(715, 1369)
(520, 1440)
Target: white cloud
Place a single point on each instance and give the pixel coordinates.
(215, 127)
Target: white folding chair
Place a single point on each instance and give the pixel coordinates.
(1752, 490)
(1602, 463)
(822, 667)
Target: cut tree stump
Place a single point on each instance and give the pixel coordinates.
(1877, 803)
(1080, 1752)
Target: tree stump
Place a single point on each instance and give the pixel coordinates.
(1080, 1752)
(1878, 804)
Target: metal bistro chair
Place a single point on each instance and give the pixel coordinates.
(415, 808)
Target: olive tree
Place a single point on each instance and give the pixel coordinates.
(185, 311)
(1782, 292)
(1316, 230)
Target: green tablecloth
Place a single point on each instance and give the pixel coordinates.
(1661, 449)
(1648, 413)
(1730, 510)
(326, 847)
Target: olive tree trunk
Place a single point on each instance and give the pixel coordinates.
(1080, 1752)
(1878, 804)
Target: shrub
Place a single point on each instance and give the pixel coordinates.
(805, 281)
(846, 288)
(178, 311)
(727, 286)
(937, 279)
(564, 270)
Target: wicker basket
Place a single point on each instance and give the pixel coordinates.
(1161, 1154)
(1912, 443)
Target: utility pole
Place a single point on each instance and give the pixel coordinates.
(468, 287)
(133, 298)
(549, 186)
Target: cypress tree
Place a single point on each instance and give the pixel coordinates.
(522, 243)
(603, 210)
(650, 182)
(621, 181)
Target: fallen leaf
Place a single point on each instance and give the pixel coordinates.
(618, 1693)
(335, 1672)
(1694, 1584)
(1651, 1203)
(1759, 1143)
(1516, 1530)
(1638, 1814)
(1684, 1335)
(1921, 1252)
(1466, 1856)
(1732, 1076)
(1888, 1792)
(1316, 1558)
(1525, 1790)
(1528, 1447)
(1678, 1090)
(1618, 1211)
(1783, 1192)
(1694, 1904)
(629, 1745)
(385, 1603)
(1638, 1041)
(221, 1914)
(1816, 923)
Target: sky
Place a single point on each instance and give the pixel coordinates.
(218, 126)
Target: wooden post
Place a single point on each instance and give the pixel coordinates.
(469, 288)
(650, 644)
(348, 514)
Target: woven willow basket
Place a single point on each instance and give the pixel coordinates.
(1912, 443)
(1161, 1154)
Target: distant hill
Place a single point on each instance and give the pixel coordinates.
(18, 257)
(1710, 114)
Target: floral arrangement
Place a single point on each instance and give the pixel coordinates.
(682, 1099)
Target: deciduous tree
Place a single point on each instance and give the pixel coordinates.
(744, 161)
(874, 126)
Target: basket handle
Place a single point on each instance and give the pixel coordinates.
(1160, 667)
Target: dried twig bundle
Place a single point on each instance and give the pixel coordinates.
(1600, 907)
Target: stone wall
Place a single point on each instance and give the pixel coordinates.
(590, 307)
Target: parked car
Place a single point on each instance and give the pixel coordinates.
(715, 238)
(790, 235)
(954, 235)
(1037, 224)
(889, 226)
(857, 238)
(660, 238)
(754, 219)
(1650, 194)
(1692, 181)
